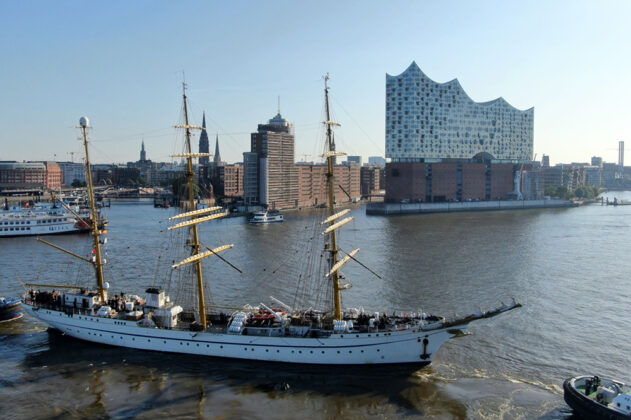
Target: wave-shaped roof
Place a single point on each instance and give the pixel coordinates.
(414, 68)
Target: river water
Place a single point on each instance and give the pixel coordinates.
(569, 267)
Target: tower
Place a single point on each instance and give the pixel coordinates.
(217, 156)
(143, 154)
(203, 143)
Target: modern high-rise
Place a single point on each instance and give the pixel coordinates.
(204, 146)
(270, 175)
(430, 120)
(443, 146)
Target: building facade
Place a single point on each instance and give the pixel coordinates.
(22, 175)
(72, 171)
(443, 146)
(313, 184)
(430, 120)
(372, 180)
(270, 174)
(54, 176)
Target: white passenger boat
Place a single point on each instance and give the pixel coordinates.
(323, 333)
(41, 220)
(269, 216)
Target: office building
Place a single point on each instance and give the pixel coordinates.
(270, 174)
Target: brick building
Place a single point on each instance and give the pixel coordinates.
(25, 175)
(313, 184)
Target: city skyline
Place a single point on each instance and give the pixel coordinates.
(564, 59)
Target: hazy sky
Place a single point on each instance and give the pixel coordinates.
(120, 63)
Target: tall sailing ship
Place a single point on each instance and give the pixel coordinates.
(271, 333)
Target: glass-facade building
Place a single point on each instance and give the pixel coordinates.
(429, 121)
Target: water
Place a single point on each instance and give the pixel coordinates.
(569, 267)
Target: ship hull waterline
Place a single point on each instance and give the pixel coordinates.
(411, 346)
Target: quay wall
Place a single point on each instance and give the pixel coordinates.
(386, 209)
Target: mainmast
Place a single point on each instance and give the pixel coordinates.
(98, 262)
(196, 216)
(330, 157)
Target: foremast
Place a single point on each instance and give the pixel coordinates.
(334, 261)
(96, 234)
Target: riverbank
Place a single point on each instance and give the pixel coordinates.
(387, 209)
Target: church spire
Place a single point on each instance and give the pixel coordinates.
(217, 158)
(203, 142)
(143, 154)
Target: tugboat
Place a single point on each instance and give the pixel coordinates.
(594, 398)
(10, 309)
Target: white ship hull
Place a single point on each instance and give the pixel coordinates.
(411, 346)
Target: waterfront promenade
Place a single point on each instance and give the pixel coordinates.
(388, 209)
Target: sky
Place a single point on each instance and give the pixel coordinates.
(122, 63)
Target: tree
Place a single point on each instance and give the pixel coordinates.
(76, 183)
(179, 186)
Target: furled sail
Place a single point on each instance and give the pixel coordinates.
(201, 255)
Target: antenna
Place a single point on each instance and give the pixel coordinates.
(278, 104)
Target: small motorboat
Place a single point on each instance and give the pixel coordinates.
(271, 216)
(592, 397)
(10, 309)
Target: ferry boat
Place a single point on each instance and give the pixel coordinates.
(269, 216)
(42, 220)
(321, 334)
(592, 397)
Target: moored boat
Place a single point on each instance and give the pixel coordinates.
(45, 219)
(592, 397)
(10, 309)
